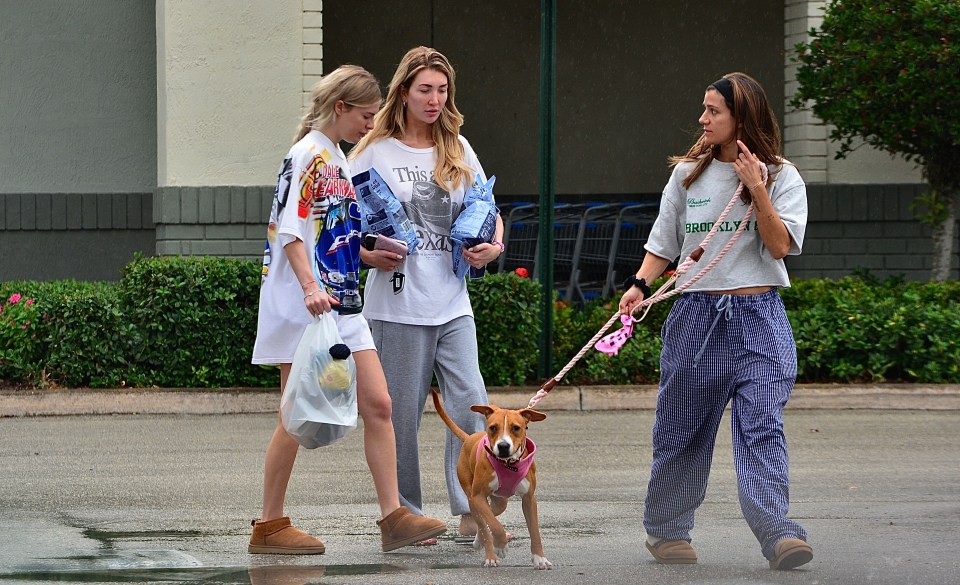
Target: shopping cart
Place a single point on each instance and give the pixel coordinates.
(521, 229)
(591, 257)
(627, 251)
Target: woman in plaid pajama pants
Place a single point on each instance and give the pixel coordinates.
(727, 339)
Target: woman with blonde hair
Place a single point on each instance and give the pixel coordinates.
(314, 178)
(423, 324)
(727, 339)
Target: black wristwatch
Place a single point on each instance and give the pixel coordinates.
(640, 283)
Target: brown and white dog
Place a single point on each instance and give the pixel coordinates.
(493, 466)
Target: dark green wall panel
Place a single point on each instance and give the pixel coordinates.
(630, 77)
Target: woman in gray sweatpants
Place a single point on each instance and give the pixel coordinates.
(419, 311)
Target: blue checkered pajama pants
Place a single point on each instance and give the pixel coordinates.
(736, 349)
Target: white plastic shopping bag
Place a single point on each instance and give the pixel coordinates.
(319, 403)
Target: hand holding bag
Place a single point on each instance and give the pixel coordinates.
(476, 224)
(319, 403)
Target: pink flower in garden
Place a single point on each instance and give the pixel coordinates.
(14, 298)
(29, 302)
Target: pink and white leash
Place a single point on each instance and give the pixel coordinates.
(660, 294)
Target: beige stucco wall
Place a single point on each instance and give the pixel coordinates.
(229, 82)
(869, 165)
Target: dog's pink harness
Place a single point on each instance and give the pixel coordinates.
(509, 473)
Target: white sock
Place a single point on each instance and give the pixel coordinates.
(653, 540)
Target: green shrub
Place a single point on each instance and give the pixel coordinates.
(91, 340)
(507, 312)
(857, 329)
(20, 345)
(931, 351)
(31, 365)
(196, 321)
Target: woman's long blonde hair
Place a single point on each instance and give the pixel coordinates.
(356, 86)
(758, 129)
(390, 122)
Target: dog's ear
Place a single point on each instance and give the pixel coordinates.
(484, 409)
(532, 415)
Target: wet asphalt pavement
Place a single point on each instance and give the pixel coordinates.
(168, 498)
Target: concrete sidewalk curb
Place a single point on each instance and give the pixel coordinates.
(189, 401)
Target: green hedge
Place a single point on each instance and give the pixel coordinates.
(196, 319)
(507, 313)
(859, 329)
(191, 322)
(168, 322)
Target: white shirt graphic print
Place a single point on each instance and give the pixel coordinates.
(432, 294)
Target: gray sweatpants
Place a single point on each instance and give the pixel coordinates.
(411, 355)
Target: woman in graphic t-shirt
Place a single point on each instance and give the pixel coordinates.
(421, 319)
(727, 339)
(315, 177)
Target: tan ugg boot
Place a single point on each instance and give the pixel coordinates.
(401, 528)
(279, 537)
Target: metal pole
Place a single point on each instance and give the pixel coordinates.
(548, 68)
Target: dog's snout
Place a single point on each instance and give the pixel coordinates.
(503, 448)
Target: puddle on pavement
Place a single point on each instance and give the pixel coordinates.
(108, 536)
(107, 562)
(259, 575)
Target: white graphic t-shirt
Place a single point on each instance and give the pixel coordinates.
(313, 178)
(429, 293)
(687, 216)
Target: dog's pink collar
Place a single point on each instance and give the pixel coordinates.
(509, 473)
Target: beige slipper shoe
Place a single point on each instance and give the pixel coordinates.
(790, 553)
(672, 552)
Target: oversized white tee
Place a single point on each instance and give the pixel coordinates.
(430, 294)
(314, 175)
(687, 215)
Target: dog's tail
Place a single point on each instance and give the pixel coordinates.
(446, 417)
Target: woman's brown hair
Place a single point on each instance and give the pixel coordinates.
(757, 128)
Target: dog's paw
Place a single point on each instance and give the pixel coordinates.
(477, 543)
(491, 562)
(501, 552)
(541, 563)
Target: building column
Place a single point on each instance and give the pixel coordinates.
(312, 46)
(229, 98)
(804, 135)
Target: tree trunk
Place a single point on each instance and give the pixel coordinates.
(945, 182)
(944, 235)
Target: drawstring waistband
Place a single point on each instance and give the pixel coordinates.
(725, 310)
